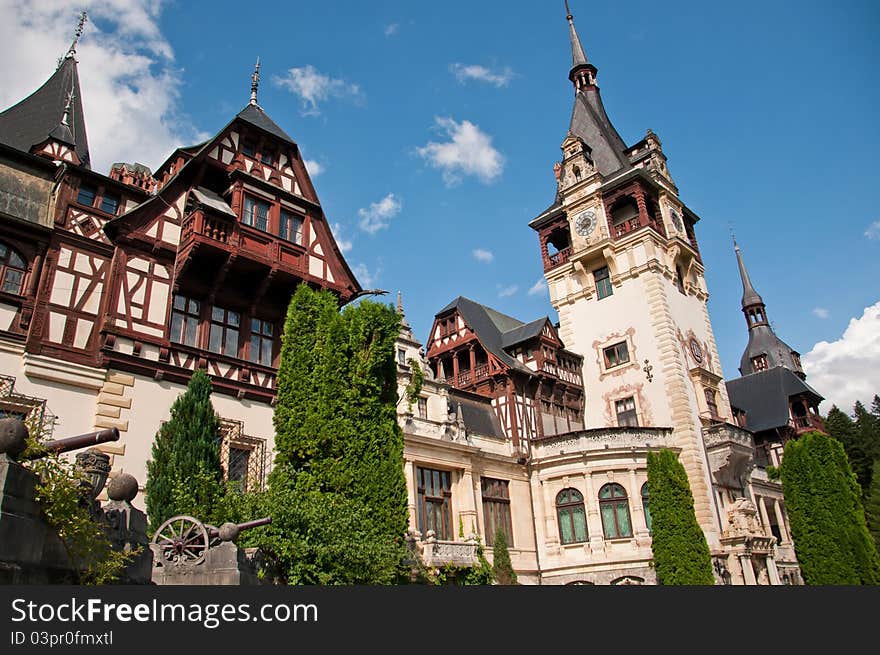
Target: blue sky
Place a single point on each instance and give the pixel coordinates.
(435, 126)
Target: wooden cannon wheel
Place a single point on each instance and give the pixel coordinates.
(182, 540)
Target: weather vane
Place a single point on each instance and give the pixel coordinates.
(83, 17)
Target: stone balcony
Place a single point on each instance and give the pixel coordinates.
(436, 553)
(731, 453)
(602, 439)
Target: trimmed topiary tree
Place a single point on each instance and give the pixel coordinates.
(186, 454)
(828, 527)
(681, 554)
(501, 565)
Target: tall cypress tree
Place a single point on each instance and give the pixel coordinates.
(335, 419)
(186, 453)
(501, 564)
(823, 498)
(681, 554)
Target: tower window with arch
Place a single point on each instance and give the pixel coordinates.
(614, 509)
(571, 516)
(12, 269)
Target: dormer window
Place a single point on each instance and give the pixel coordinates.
(759, 363)
(796, 358)
(109, 203)
(87, 194)
(256, 213)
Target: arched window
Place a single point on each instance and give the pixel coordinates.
(12, 268)
(645, 506)
(571, 515)
(614, 508)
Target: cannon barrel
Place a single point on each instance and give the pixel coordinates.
(74, 443)
(213, 532)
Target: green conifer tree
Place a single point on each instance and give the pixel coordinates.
(501, 565)
(336, 422)
(186, 453)
(843, 428)
(681, 554)
(828, 526)
(872, 506)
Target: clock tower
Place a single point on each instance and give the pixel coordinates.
(624, 272)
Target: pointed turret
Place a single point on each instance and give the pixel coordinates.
(35, 119)
(764, 350)
(589, 121)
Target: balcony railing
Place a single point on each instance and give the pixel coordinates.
(633, 224)
(806, 423)
(559, 257)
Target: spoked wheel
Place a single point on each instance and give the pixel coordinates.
(182, 540)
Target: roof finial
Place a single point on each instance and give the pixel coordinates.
(578, 58)
(400, 310)
(83, 17)
(67, 106)
(732, 235)
(255, 83)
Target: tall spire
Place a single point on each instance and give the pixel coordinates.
(578, 58)
(582, 73)
(255, 83)
(71, 52)
(750, 297)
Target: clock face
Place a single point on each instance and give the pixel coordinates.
(676, 219)
(696, 351)
(585, 222)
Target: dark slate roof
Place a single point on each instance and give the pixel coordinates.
(763, 341)
(750, 296)
(478, 415)
(210, 199)
(255, 115)
(490, 327)
(33, 119)
(523, 333)
(764, 396)
(590, 122)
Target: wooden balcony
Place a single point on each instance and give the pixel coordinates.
(622, 229)
(552, 368)
(557, 258)
(809, 423)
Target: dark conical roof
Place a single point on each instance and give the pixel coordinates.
(750, 296)
(255, 115)
(38, 116)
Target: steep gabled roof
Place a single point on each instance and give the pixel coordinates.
(764, 396)
(35, 118)
(255, 115)
(477, 412)
(495, 330)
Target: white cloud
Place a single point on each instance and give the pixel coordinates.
(129, 82)
(314, 167)
(366, 277)
(313, 87)
(391, 30)
(507, 291)
(466, 72)
(821, 312)
(468, 152)
(482, 255)
(379, 214)
(873, 231)
(538, 287)
(344, 244)
(848, 369)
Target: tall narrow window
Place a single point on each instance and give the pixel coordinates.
(626, 412)
(711, 403)
(185, 320)
(572, 517)
(401, 356)
(12, 268)
(496, 509)
(603, 283)
(256, 213)
(290, 227)
(645, 507)
(261, 342)
(616, 355)
(614, 508)
(434, 497)
(679, 279)
(223, 338)
(109, 203)
(87, 194)
(423, 408)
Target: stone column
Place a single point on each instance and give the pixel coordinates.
(467, 511)
(409, 471)
(765, 520)
(551, 530)
(594, 520)
(772, 571)
(639, 523)
(748, 570)
(780, 519)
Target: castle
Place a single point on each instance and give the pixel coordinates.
(115, 288)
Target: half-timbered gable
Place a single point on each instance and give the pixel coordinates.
(535, 384)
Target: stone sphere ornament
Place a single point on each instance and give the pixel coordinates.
(123, 487)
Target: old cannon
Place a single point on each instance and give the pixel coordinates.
(186, 540)
(14, 433)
